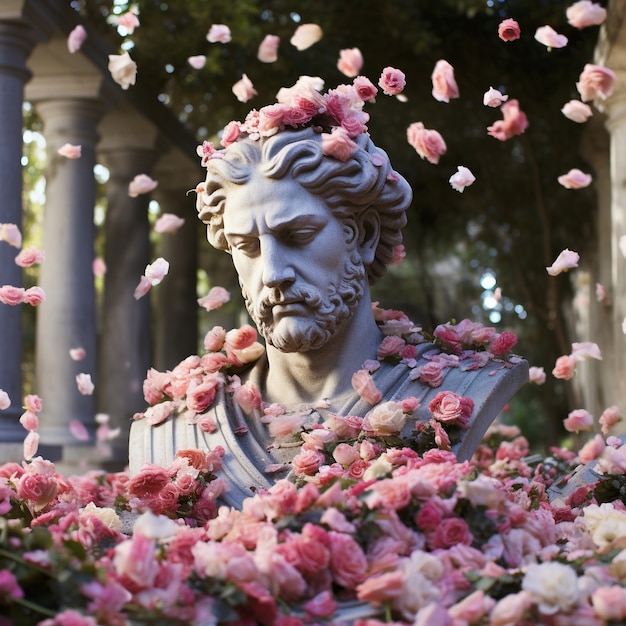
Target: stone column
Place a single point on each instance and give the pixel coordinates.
(127, 149)
(67, 319)
(15, 46)
(176, 334)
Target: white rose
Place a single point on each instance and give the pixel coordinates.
(123, 69)
(387, 418)
(421, 571)
(553, 586)
(155, 526)
(106, 515)
(484, 491)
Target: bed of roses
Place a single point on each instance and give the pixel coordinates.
(420, 537)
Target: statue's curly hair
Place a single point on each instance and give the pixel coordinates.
(366, 180)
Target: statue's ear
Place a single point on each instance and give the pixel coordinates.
(369, 234)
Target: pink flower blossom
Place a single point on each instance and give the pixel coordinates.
(350, 62)
(76, 38)
(550, 38)
(27, 257)
(29, 420)
(240, 338)
(537, 375)
(444, 84)
(78, 354)
(575, 179)
(337, 144)
(168, 223)
(142, 183)
(156, 271)
(34, 296)
(595, 81)
(577, 111)
(11, 234)
(451, 408)
(392, 81)
(347, 560)
(32, 402)
(307, 461)
(509, 30)
(268, 49)
(70, 151)
(217, 297)
(365, 89)
(305, 36)
(218, 33)
(592, 449)
(566, 260)
(564, 367)
(99, 267)
(129, 21)
(610, 416)
(503, 343)
(11, 295)
(197, 61)
(84, 384)
(461, 179)
(585, 13)
(514, 123)
(78, 430)
(248, 397)
(429, 144)
(123, 69)
(578, 420)
(364, 385)
(493, 98)
(431, 373)
(244, 89)
(586, 350)
(5, 401)
(473, 607)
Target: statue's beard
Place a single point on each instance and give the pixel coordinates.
(328, 310)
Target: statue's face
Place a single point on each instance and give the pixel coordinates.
(298, 266)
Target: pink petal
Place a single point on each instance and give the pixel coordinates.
(31, 444)
(84, 384)
(78, 430)
(77, 354)
(70, 151)
(216, 297)
(142, 288)
(76, 39)
(197, 62)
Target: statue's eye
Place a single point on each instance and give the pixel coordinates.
(249, 247)
(300, 237)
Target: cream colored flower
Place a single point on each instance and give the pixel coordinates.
(604, 523)
(306, 35)
(123, 69)
(553, 586)
(106, 515)
(387, 418)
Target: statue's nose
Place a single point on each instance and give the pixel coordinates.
(277, 265)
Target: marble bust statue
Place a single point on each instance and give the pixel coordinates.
(309, 229)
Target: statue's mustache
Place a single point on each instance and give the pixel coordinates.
(272, 297)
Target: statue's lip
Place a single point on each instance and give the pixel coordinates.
(286, 305)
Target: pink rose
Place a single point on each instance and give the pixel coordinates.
(217, 297)
(515, 122)
(595, 82)
(240, 338)
(322, 605)
(11, 295)
(305, 36)
(337, 144)
(29, 256)
(493, 98)
(503, 342)
(197, 61)
(350, 62)
(142, 183)
(268, 49)
(345, 454)
(390, 346)
(510, 609)
(168, 223)
(364, 385)
(347, 561)
(29, 420)
(610, 603)
(244, 89)
(585, 13)
(392, 81)
(610, 416)
(136, 559)
(451, 408)
(37, 488)
(33, 403)
(431, 373)
(218, 33)
(429, 144)
(365, 89)
(84, 384)
(564, 367)
(271, 119)
(444, 84)
(382, 588)
(509, 30)
(566, 260)
(592, 449)
(450, 532)
(34, 296)
(575, 179)
(128, 21)
(307, 461)
(76, 38)
(248, 396)
(70, 151)
(550, 38)
(149, 481)
(472, 608)
(537, 375)
(577, 111)
(200, 395)
(578, 420)
(214, 339)
(463, 178)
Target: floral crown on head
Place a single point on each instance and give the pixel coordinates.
(337, 114)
